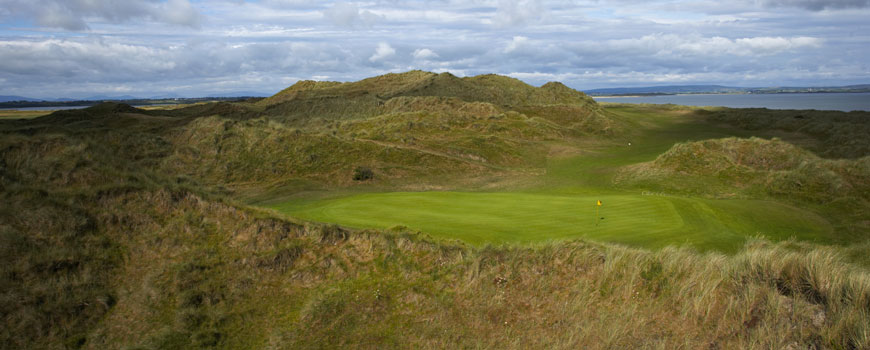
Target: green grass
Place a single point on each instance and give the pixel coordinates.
(635, 219)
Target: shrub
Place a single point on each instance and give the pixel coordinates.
(362, 173)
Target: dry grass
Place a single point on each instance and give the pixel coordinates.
(754, 167)
(841, 134)
(16, 114)
(178, 270)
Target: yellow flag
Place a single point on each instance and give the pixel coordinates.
(599, 202)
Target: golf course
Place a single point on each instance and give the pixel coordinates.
(562, 204)
(429, 211)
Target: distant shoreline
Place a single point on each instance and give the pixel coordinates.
(654, 94)
(58, 105)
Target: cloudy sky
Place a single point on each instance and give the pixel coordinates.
(81, 48)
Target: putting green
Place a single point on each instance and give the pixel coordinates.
(649, 221)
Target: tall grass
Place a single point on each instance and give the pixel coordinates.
(753, 167)
(841, 134)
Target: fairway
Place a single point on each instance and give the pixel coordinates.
(633, 219)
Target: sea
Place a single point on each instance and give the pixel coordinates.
(53, 108)
(858, 101)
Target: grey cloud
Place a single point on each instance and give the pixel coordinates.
(266, 45)
(349, 15)
(818, 5)
(180, 12)
(512, 13)
(72, 14)
(82, 62)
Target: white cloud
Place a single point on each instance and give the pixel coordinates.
(383, 51)
(517, 43)
(424, 54)
(772, 45)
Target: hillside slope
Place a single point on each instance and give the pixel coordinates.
(433, 128)
(331, 100)
(415, 129)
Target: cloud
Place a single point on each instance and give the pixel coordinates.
(268, 44)
(672, 45)
(424, 54)
(54, 16)
(517, 43)
(383, 51)
(180, 12)
(349, 15)
(818, 5)
(72, 14)
(511, 13)
(81, 67)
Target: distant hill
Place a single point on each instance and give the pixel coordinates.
(241, 94)
(671, 89)
(98, 98)
(365, 98)
(108, 98)
(719, 89)
(7, 98)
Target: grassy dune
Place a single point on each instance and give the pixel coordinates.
(175, 270)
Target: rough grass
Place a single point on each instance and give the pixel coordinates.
(364, 98)
(259, 152)
(430, 139)
(840, 134)
(180, 271)
(753, 165)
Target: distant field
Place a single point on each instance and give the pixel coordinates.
(16, 114)
(648, 221)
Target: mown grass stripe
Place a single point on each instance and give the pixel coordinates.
(532, 217)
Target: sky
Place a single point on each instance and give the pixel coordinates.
(190, 48)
